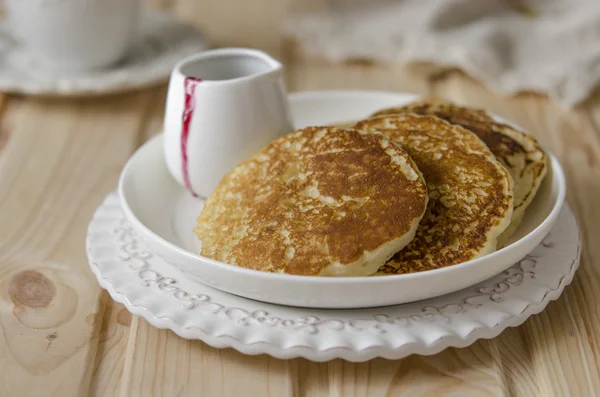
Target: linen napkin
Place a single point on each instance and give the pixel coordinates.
(545, 46)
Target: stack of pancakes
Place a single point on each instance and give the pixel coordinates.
(418, 187)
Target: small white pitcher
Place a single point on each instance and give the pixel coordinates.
(222, 107)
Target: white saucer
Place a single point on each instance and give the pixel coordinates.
(163, 214)
(151, 288)
(164, 41)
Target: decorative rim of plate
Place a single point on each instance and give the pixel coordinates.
(164, 41)
(137, 278)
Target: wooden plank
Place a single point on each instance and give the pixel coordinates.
(563, 338)
(114, 336)
(112, 347)
(189, 368)
(159, 363)
(62, 158)
(470, 371)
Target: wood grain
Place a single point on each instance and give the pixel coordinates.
(112, 347)
(162, 364)
(60, 161)
(62, 336)
(159, 363)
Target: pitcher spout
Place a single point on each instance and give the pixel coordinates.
(230, 64)
(275, 65)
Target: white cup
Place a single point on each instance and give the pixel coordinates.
(222, 107)
(74, 34)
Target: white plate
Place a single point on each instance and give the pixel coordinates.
(163, 215)
(164, 41)
(151, 288)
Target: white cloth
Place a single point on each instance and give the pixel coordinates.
(545, 46)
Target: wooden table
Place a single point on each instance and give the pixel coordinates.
(61, 335)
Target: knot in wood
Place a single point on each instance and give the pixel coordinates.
(31, 288)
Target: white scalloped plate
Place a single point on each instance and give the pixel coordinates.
(151, 288)
(164, 41)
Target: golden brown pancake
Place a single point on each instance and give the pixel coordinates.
(470, 193)
(520, 153)
(318, 201)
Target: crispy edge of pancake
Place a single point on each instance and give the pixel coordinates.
(495, 231)
(379, 257)
(536, 168)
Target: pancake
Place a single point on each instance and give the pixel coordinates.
(318, 201)
(470, 193)
(520, 153)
